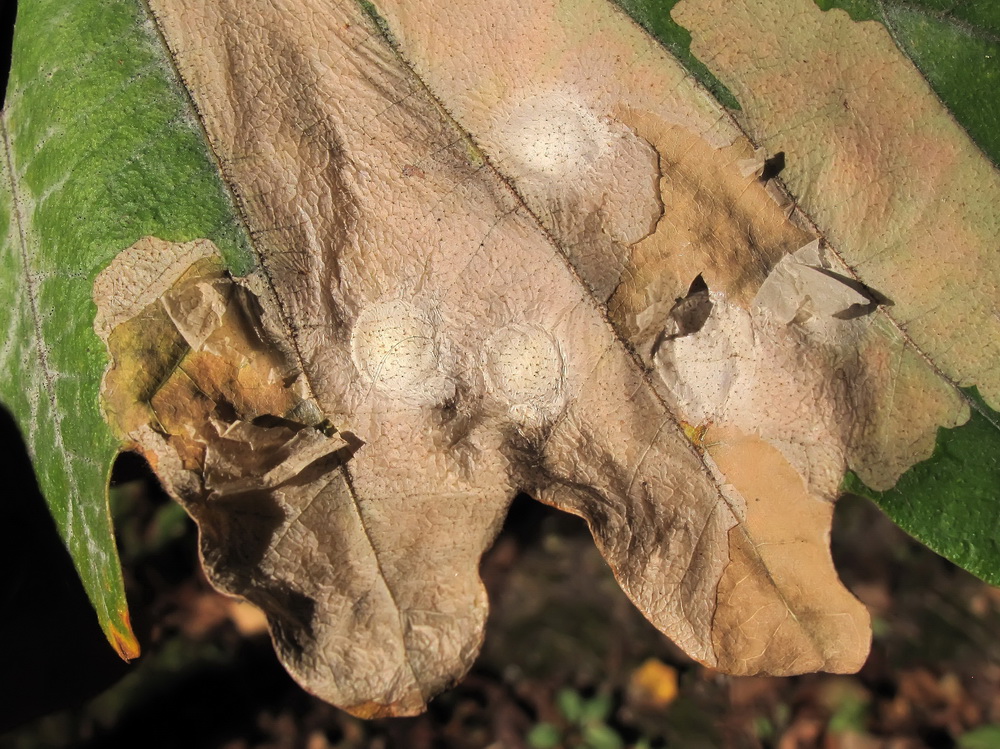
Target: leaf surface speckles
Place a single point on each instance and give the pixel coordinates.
(515, 247)
(885, 171)
(471, 315)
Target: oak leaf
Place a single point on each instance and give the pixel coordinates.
(534, 255)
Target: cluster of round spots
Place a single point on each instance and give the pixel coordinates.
(524, 369)
(398, 348)
(401, 353)
(554, 134)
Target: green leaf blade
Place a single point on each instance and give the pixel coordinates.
(100, 149)
(949, 502)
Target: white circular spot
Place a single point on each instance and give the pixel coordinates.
(396, 346)
(523, 368)
(554, 134)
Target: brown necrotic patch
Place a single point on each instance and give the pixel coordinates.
(198, 385)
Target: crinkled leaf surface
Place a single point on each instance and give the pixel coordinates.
(950, 501)
(955, 45)
(497, 249)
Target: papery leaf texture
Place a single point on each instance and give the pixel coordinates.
(352, 276)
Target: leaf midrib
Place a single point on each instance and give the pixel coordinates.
(966, 27)
(636, 360)
(31, 288)
(241, 215)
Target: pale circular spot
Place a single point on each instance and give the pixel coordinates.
(524, 369)
(554, 134)
(397, 347)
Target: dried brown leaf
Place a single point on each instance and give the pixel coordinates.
(528, 256)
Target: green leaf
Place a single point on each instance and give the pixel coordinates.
(984, 737)
(597, 708)
(850, 715)
(600, 736)
(544, 736)
(570, 704)
(99, 149)
(949, 502)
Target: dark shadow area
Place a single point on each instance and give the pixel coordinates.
(131, 466)
(157, 543)
(526, 517)
(875, 299)
(52, 651)
(558, 623)
(207, 703)
(527, 522)
(8, 11)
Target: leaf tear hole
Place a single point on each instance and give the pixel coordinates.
(688, 315)
(130, 466)
(697, 286)
(691, 312)
(226, 412)
(773, 166)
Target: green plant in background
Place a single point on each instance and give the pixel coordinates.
(769, 727)
(984, 737)
(584, 725)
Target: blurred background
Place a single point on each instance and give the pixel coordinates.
(567, 662)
